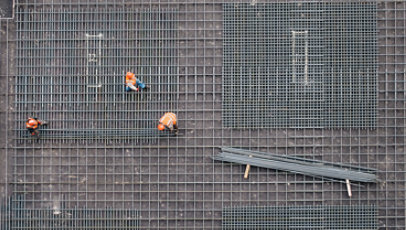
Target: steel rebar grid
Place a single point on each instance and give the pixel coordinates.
(71, 71)
(176, 186)
(301, 217)
(17, 215)
(7, 35)
(300, 65)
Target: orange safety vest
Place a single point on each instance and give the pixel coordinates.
(130, 79)
(31, 123)
(168, 119)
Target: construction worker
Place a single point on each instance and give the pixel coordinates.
(132, 83)
(168, 121)
(33, 124)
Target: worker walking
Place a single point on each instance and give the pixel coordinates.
(32, 124)
(132, 83)
(168, 121)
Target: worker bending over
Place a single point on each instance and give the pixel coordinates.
(132, 83)
(168, 121)
(33, 124)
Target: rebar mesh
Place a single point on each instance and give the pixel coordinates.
(71, 67)
(300, 65)
(16, 215)
(172, 182)
(301, 217)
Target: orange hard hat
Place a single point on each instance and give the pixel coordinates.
(32, 122)
(130, 75)
(161, 127)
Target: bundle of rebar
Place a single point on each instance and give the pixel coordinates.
(319, 169)
(98, 133)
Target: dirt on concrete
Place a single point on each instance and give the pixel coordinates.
(6, 8)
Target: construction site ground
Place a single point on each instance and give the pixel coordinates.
(173, 181)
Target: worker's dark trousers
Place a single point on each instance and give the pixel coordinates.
(34, 132)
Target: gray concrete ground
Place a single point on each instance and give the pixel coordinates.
(6, 8)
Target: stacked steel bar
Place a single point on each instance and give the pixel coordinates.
(100, 133)
(71, 67)
(356, 217)
(295, 165)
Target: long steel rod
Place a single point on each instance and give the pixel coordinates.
(293, 159)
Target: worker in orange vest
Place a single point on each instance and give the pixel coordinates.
(132, 83)
(32, 124)
(168, 121)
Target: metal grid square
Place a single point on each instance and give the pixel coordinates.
(301, 217)
(299, 65)
(71, 67)
(16, 214)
